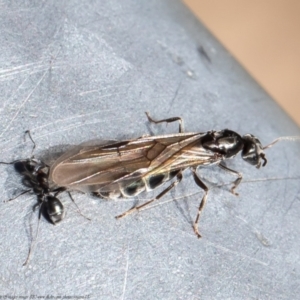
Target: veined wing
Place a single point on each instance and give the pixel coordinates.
(103, 167)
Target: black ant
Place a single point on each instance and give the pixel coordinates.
(35, 175)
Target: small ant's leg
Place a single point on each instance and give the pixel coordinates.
(9, 163)
(24, 192)
(78, 209)
(165, 191)
(199, 182)
(58, 191)
(35, 206)
(236, 182)
(169, 120)
(36, 235)
(33, 142)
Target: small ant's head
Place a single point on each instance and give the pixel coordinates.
(31, 167)
(23, 167)
(253, 151)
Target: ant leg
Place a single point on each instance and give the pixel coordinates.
(78, 209)
(8, 163)
(36, 235)
(169, 120)
(236, 182)
(58, 191)
(165, 191)
(199, 182)
(24, 192)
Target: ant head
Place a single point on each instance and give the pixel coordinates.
(23, 166)
(253, 151)
(30, 166)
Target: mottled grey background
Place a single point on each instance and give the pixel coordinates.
(71, 71)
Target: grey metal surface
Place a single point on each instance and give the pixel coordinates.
(71, 71)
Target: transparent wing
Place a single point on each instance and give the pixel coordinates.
(108, 165)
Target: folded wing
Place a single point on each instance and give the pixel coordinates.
(105, 166)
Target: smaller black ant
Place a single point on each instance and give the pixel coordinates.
(35, 175)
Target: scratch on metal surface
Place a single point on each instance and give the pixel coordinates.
(264, 241)
(78, 116)
(291, 204)
(74, 126)
(55, 122)
(126, 272)
(7, 73)
(56, 131)
(236, 253)
(273, 202)
(15, 92)
(98, 90)
(175, 96)
(32, 91)
(36, 70)
(109, 95)
(23, 103)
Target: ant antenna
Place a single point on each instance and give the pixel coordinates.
(33, 142)
(282, 138)
(33, 148)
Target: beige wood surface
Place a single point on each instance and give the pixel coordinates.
(264, 36)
